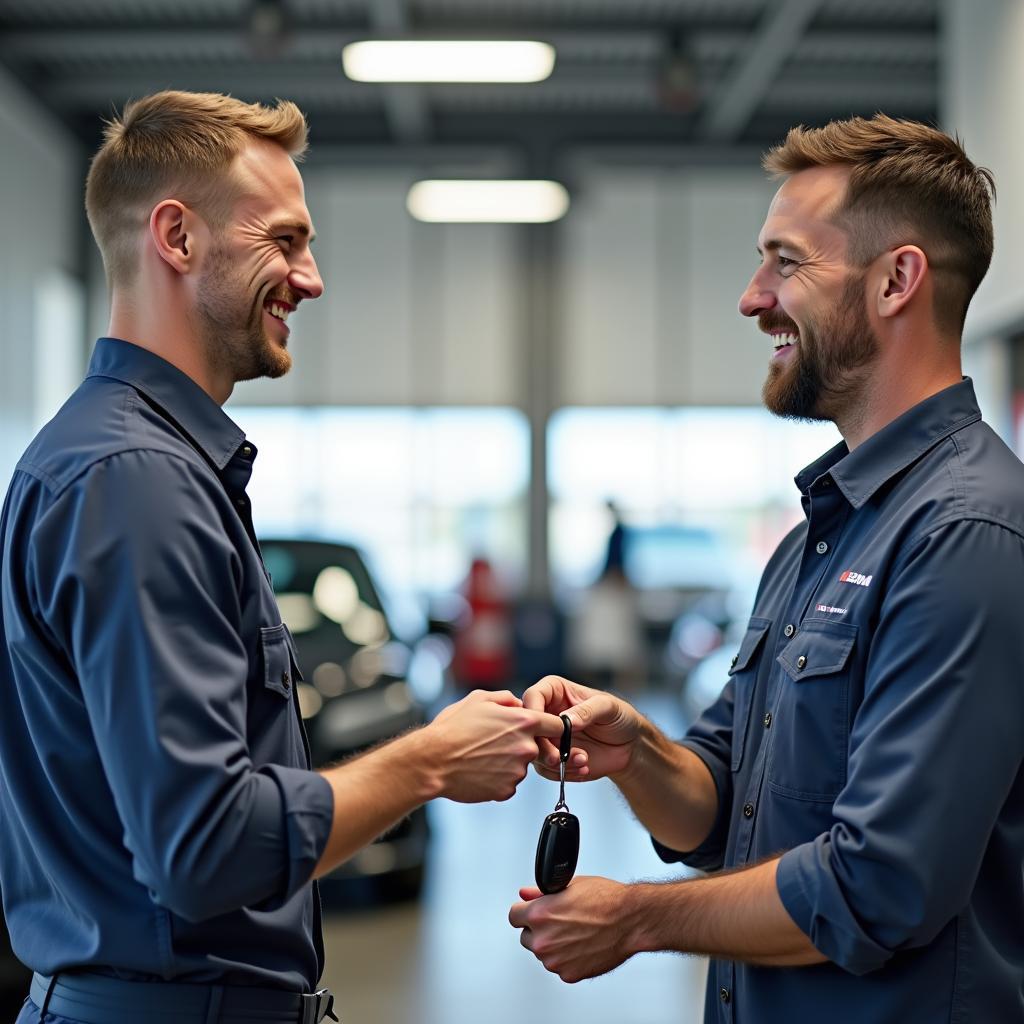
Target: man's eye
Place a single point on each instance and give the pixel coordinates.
(287, 239)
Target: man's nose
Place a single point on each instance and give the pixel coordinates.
(756, 299)
(305, 278)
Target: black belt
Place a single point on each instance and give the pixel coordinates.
(96, 999)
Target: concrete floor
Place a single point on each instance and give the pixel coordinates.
(452, 958)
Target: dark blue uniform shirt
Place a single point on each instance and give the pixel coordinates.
(159, 818)
(873, 727)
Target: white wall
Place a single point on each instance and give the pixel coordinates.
(981, 102)
(652, 263)
(39, 197)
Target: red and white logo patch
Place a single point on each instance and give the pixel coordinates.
(856, 577)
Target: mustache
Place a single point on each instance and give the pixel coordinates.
(775, 321)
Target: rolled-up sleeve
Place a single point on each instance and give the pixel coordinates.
(934, 750)
(710, 738)
(140, 585)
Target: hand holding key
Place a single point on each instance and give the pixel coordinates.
(605, 729)
(482, 746)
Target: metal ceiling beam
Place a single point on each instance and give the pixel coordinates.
(406, 107)
(195, 43)
(732, 109)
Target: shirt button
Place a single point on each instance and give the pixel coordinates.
(240, 502)
(801, 661)
(724, 995)
(768, 720)
(247, 452)
(748, 810)
(735, 658)
(790, 629)
(822, 547)
(286, 677)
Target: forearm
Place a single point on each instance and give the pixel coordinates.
(374, 792)
(734, 916)
(670, 790)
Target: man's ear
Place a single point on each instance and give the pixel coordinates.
(175, 230)
(903, 272)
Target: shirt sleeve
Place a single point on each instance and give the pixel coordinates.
(133, 572)
(934, 750)
(710, 738)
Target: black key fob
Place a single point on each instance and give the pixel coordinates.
(558, 847)
(557, 851)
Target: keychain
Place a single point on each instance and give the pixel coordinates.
(559, 844)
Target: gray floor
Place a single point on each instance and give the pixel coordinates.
(454, 959)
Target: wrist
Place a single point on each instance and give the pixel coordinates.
(421, 760)
(640, 750)
(639, 919)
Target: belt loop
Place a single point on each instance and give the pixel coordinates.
(213, 1007)
(49, 996)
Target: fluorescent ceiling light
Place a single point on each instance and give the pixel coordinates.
(531, 202)
(447, 61)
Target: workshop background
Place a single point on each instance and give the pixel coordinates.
(505, 448)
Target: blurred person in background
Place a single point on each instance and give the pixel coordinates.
(860, 777)
(606, 634)
(161, 824)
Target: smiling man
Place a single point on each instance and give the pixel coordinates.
(860, 777)
(161, 824)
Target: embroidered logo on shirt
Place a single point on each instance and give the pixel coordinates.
(830, 610)
(855, 577)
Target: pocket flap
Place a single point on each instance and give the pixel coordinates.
(756, 630)
(819, 648)
(280, 665)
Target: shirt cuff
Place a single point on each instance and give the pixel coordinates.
(308, 802)
(815, 901)
(710, 855)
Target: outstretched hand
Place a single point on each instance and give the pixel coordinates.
(605, 729)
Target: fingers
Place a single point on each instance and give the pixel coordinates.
(529, 892)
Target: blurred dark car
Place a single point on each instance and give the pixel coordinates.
(361, 685)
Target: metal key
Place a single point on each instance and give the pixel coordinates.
(558, 847)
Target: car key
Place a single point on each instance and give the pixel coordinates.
(559, 844)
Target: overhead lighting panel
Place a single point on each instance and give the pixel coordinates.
(424, 60)
(491, 202)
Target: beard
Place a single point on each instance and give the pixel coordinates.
(828, 371)
(230, 326)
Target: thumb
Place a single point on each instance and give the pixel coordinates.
(599, 710)
(530, 892)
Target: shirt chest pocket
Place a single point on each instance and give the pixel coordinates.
(811, 720)
(280, 666)
(744, 675)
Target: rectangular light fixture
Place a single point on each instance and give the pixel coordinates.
(488, 202)
(447, 61)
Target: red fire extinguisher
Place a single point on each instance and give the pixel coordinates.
(483, 648)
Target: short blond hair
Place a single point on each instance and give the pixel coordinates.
(175, 145)
(909, 184)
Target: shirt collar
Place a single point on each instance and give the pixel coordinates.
(858, 474)
(181, 398)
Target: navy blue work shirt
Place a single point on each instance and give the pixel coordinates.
(873, 727)
(159, 816)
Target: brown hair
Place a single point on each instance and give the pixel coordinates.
(909, 184)
(175, 144)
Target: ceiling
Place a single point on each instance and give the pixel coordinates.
(634, 78)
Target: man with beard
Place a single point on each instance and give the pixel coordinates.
(860, 776)
(161, 824)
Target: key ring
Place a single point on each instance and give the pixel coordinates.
(564, 746)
